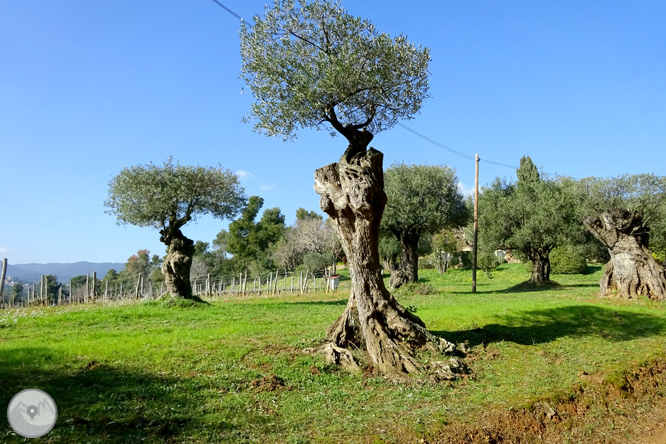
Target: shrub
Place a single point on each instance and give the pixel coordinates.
(417, 288)
(487, 262)
(428, 262)
(315, 262)
(567, 260)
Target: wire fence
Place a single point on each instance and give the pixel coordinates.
(280, 282)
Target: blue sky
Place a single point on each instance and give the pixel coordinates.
(89, 87)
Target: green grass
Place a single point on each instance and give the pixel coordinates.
(236, 371)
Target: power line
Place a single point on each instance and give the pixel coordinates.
(466, 156)
(229, 10)
(451, 150)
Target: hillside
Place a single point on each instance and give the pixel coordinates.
(29, 273)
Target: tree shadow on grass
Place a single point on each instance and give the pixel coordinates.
(542, 326)
(104, 404)
(342, 302)
(527, 287)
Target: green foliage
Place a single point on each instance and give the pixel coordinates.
(534, 214)
(312, 65)
(303, 214)
(422, 199)
(487, 262)
(641, 194)
(153, 196)
(250, 242)
(416, 288)
(316, 262)
(16, 292)
(466, 258)
(389, 247)
(567, 260)
(528, 173)
(428, 262)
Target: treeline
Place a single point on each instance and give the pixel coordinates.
(554, 225)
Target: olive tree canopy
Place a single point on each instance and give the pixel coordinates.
(159, 196)
(316, 66)
(166, 198)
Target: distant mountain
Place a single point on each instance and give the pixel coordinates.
(29, 273)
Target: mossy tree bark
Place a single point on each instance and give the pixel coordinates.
(352, 194)
(178, 261)
(631, 271)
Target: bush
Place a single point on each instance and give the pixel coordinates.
(316, 262)
(487, 262)
(564, 260)
(567, 260)
(428, 262)
(417, 288)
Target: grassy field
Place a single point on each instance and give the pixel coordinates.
(236, 371)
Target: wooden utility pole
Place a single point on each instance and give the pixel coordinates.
(476, 224)
(2, 279)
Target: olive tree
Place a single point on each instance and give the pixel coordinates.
(532, 216)
(313, 65)
(166, 198)
(421, 199)
(627, 214)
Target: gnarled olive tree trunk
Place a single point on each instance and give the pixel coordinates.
(408, 269)
(632, 270)
(352, 194)
(178, 262)
(540, 264)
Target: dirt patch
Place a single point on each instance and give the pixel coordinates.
(625, 408)
(268, 383)
(93, 365)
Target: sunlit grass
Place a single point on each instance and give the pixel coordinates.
(237, 371)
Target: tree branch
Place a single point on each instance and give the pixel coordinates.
(306, 40)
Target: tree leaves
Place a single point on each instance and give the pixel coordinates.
(422, 198)
(160, 196)
(314, 65)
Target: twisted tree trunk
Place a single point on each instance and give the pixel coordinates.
(178, 262)
(408, 269)
(631, 271)
(352, 194)
(540, 264)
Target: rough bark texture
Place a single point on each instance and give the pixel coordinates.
(631, 271)
(408, 269)
(352, 194)
(177, 263)
(540, 265)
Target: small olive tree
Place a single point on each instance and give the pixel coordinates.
(313, 65)
(166, 198)
(421, 199)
